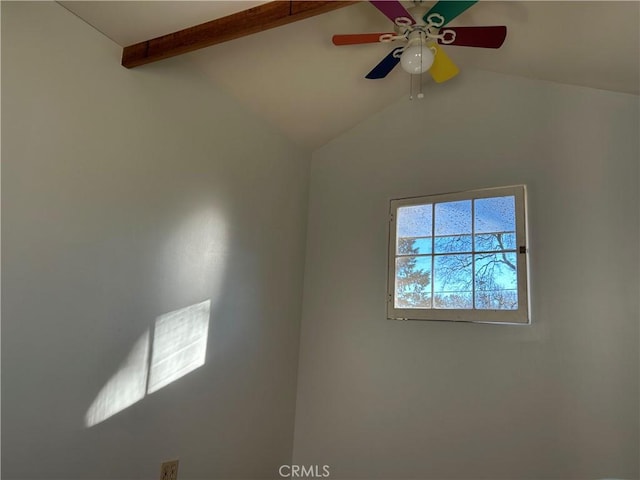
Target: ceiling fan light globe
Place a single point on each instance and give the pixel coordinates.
(416, 59)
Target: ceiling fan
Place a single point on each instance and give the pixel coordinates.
(422, 32)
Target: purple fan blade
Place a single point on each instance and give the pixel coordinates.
(392, 9)
(387, 64)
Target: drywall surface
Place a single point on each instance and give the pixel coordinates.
(128, 196)
(556, 399)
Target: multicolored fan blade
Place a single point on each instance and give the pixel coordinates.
(356, 38)
(449, 9)
(443, 68)
(393, 9)
(486, 37)
(386, 65)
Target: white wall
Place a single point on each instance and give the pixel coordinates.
(127, 195)
(557, 399)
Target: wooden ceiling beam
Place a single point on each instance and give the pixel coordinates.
(253, 20)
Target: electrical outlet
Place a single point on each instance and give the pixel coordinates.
(169, 470)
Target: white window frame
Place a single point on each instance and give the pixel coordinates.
(519, 316)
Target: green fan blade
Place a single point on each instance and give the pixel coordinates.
(449, 9)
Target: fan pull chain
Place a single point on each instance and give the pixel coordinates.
(420, 95)
(410, 87)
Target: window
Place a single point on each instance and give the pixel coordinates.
(459, 256)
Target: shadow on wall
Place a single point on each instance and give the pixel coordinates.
(178, 347)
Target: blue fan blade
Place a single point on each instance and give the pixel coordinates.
(449, 9)
(385, 66)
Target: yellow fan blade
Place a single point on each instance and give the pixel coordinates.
(443, 68)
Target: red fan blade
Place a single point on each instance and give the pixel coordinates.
(356, 38)
(486, 37)
(392, 9)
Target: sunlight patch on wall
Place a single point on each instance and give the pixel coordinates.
(125, 388)
(179, 344)
(191, 264)
(179, 347)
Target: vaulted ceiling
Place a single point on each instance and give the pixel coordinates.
(295, 78)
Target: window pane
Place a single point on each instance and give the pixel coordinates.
(453, 300)
(497, 214)
(414, 230)
(414, 246)
(413, 282)
(453, 244)
(414, 221)
(496, 281)
(452, 283)
(491, 242)
(453, 218)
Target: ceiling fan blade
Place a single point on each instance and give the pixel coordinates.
(449, 9)
(486, 37)
(356, 38)
(443, 68)
(385, 66)
(392, 9)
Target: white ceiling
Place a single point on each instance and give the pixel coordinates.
(295, 78)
